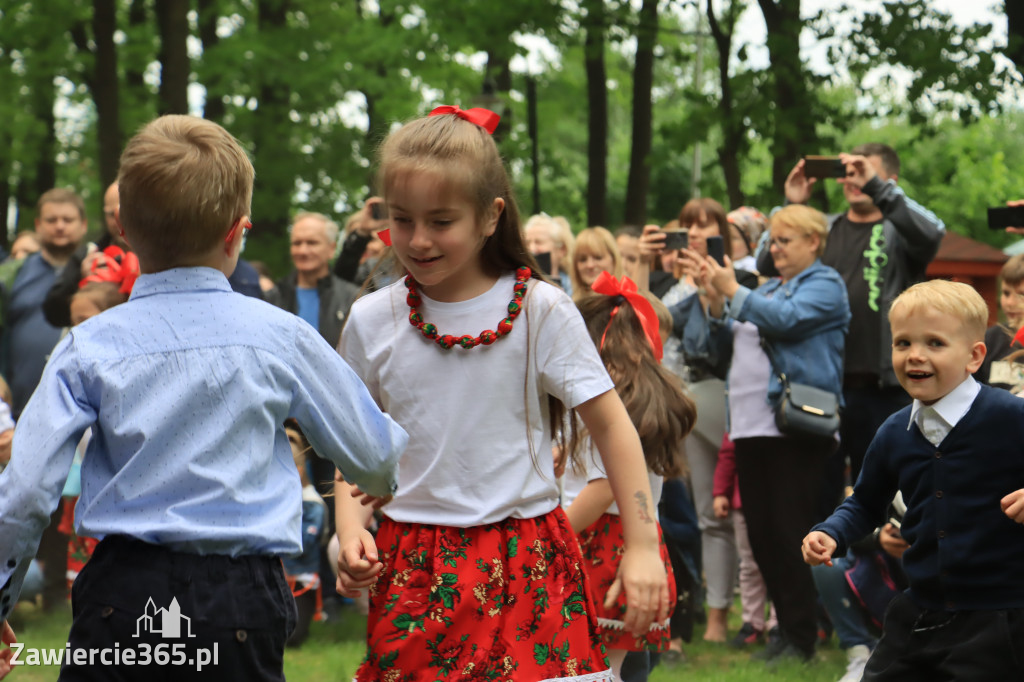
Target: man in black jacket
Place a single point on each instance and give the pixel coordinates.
(311, 291)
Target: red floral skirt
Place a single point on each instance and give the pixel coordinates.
(603, 546)
(505, 601)
(80, 548)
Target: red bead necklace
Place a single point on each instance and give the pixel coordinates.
(446, 341)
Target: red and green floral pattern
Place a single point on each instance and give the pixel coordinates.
(603, 546)
(506, 601)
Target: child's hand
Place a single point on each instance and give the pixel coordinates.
(6, 654)
(358, 565)
(818, 547)
(642, 575)
(891, 542)
(721, 506)
(1013, 505)
(369, 500)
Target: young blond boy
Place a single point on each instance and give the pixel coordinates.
(189, 478)
(957, 455)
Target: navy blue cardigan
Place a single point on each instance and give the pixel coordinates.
(965, 554)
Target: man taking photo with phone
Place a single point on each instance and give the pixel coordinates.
(881, 245)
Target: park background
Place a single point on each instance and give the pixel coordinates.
(614, 112)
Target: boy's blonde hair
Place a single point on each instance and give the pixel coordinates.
(183, 182)
(955, 299)
(803, 220)
(1013, 270)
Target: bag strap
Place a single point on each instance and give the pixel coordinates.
(769, 351)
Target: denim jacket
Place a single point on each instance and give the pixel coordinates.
(805, 322)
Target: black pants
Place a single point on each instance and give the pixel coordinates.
(233, 615)
(780, 484)
(931, 646)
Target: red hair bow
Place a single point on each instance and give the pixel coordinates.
(609, 286)
(485, 118)
(116, 266)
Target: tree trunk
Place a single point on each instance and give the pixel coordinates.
(275, 182)
(794, 125)
(1015, 32)
(213, 107)
(643, 82)
(732, 127)
(597, 110)
(172, 21)
(105, 89)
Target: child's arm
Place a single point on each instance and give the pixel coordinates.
(358, 564)
(593, 500)
(641, 572)
(818, 547)
(1013, 505)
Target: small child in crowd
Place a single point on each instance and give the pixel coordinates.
(303, 571)
(189, 478)
(955, 454)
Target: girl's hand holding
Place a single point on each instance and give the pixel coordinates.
(1013, 505)
(642, 575)
(817, 548)
(6, 653)
(358, 564)
(369, 500)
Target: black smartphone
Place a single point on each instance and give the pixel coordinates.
(678, 239)
(378, 211)
(824, 167)
(1001, 217)
(543, 262)
(716, 249)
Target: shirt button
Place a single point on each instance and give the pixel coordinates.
(938, 455)
(938, 494)
(942, 534)
(950, 606)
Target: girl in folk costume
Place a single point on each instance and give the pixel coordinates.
(475, 572)
(624, 325)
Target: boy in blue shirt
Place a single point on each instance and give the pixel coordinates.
(955, 454)
(189, 478)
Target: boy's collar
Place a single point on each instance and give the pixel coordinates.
(952, 406)
(180, 280)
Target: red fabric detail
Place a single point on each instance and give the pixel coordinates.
(603, 544)
(485, 118)
(385, 236)
(504, 601)
(609, 286)
(116, 266)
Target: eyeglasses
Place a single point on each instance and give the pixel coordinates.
(781, 242)
(245, 230)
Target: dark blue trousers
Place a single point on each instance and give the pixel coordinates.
(162, 615)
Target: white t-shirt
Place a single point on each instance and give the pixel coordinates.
(478, 421)
(574, 480)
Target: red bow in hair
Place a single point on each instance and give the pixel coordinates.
(609, 286)
(116, 266)
(1019, 337)
(485, 118)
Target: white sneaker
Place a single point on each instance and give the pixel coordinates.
(857, 658)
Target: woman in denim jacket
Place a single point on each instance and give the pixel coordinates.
(803, 315)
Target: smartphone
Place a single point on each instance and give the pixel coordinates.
(678, 239)
(543, 262)
(1001, 217)
(378, 211)
(824, 167)
(716, 249)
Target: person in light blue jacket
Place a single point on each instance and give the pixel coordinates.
(793, 324)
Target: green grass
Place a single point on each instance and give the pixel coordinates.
(335, 648)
